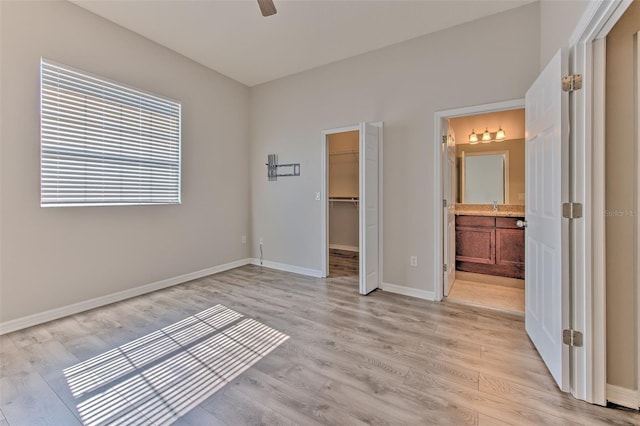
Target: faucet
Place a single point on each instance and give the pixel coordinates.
(495, 206)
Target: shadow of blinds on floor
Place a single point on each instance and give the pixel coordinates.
(160, 377)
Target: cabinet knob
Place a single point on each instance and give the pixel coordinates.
(521, 224)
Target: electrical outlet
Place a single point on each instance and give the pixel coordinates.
(244, 239)
(260, 241)
(413, 261)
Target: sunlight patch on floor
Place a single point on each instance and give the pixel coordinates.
(161, 376)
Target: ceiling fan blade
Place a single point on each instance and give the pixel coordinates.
(267, 7)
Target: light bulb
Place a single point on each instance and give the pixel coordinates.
(473, 137)
(486, 136)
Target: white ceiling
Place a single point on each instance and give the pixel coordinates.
(232, 37)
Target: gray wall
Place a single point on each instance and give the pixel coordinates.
(54, 257)
(403, 86)
(558, 19)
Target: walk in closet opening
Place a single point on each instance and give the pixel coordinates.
(343, 190)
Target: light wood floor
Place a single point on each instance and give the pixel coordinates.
(343, 263)
(499, 293)
(257, 346)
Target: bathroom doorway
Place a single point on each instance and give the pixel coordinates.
(485, 183)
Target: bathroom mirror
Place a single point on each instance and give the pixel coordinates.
(483, 177)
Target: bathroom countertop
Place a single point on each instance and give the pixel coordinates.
(504, 210)
(489, 213)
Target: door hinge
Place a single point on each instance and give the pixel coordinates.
(572, 338)
(444, 203)
(572, 82)
(444, 267)
(444, 139)
(572, 210)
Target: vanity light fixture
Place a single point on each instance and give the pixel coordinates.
(487, 136)
(473, 137)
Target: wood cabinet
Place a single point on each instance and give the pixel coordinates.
(490, 245)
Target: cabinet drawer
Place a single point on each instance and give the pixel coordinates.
(507, 222)
(482, 221)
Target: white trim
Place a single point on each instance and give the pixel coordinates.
(408, 291)
(589, 304)
(595, 295)
(345, 248)
(288, 268)
(438, 194)
(53, 314)
(622, 396)
(324, 197)
(380, 126)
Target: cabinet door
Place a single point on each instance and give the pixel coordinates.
(510, 247)
(475, 244)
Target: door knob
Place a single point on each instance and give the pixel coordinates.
(521, 224)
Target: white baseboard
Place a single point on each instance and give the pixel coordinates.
(346, 248)
(288, 268)
(408, 291)
(623, 396)
(53, 314)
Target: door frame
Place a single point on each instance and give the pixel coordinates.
(438, 224)
(324, 196)
(587, 57)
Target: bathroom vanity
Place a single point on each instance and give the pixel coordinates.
(490, 242)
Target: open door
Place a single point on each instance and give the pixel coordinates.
(547, 284)
(449, 197)
(370, 276)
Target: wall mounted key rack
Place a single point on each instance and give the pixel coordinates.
(275, 170)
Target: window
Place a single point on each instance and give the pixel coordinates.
(105, 144)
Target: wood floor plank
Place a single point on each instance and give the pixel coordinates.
(12, 359)
(382, 359)
(553, 402)
(484, 420)
(237, 409)
(198, 417)
(26, 399)
(498, 408)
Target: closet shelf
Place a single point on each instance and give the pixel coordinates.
(354, 200)
(349, 152)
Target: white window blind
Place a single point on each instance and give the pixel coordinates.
(105, 144)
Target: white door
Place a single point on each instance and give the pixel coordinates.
(369, 209)
(449, 195)
(546, 281)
